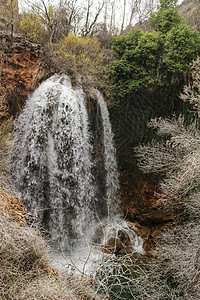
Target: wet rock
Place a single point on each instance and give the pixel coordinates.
(121, 244)
(142, 201)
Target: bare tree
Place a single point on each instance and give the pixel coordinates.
(10, 11)
(92, 13)
(58, 20)
(69, 11)
(112, 18)
(123, 17)
(132, 10)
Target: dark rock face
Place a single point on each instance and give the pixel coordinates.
(147, 207)
(96, 129)
(129, 121)
(22, 68)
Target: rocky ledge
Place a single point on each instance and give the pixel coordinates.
(22, 68)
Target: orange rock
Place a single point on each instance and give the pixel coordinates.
(137, 224)
(21, 71)
(12, 206)
(50, 269)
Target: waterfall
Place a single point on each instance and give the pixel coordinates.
(59, 160)
(112, 182)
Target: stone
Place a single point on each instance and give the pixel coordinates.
(22, 69)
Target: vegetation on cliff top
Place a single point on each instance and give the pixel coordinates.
(160, 58)
(80, 57)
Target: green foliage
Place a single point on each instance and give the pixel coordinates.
(160, 58)
(164, 4)
(165, 20)
(136, 62)
(126, 42)
(180, 48)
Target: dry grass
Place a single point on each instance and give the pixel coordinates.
(24, 272)
(22, 252)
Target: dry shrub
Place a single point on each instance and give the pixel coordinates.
(121, 277)
(30, 26)
(175, 273)
(79, 56)
(22, 252)
(62, 288)
(179, 260)
(177, 157)
(191, 92)
(24, 272)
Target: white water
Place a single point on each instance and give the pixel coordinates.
(112, 181)
(55, 170)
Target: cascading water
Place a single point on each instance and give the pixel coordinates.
(112, 183)
(55, 164)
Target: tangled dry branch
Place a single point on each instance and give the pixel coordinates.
(177, 157)
(191, 91)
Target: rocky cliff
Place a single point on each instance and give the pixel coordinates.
(190, 11)
(22, 67)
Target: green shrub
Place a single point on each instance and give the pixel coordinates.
(154, 59)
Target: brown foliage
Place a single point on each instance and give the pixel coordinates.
(12, 205)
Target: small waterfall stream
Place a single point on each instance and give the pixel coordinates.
(112, 182)
(54, 165)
